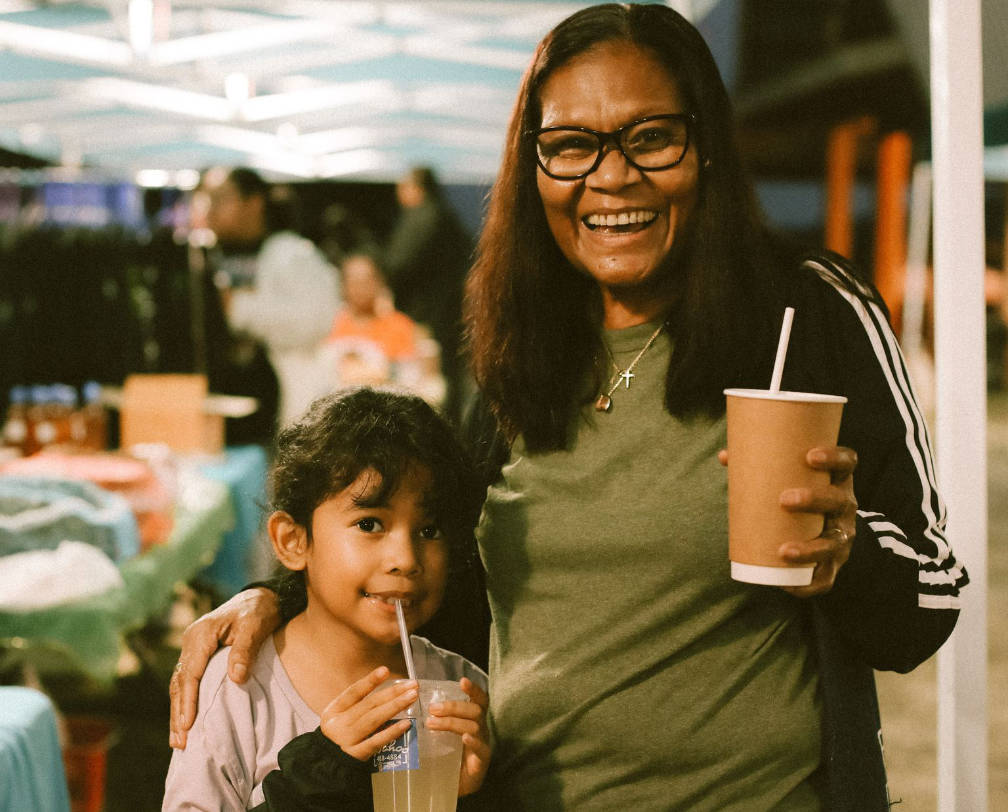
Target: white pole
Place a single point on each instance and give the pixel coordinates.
(961, 391)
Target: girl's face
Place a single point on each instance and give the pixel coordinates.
(364, 553)
(605, 88)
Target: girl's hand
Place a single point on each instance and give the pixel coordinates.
(830, 551)
(354, 719)
(468, 719)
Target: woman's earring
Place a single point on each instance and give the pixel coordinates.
(706, 163)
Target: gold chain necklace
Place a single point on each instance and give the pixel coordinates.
(604, 402)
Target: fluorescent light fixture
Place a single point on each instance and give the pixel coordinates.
(349, 138)
(284, 105)
(152, 178)
(253, 38)
(141, 25)
(143, 95)
(287, 132)
(65, 46)
(31, 134)
(350, 163)
(449, 50)
(238, 139)
(237, 88)
(186, 179)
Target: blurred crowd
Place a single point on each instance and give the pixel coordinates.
(285, 319)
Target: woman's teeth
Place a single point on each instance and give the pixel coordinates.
(624, 218)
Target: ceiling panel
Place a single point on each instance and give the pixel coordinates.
(299, 89)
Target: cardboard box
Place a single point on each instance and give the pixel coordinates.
(175, 409)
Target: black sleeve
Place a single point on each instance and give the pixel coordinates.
(897, 598)
(316, 775)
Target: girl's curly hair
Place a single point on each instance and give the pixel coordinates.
(345, 434)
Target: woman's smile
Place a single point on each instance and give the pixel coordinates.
(623, 222)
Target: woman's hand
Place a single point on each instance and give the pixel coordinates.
(830, 551)
(244, 622)
(354, 719)
(468, 719)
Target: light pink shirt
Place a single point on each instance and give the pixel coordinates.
(239, 729)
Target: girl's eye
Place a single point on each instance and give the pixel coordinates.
(369, 524)
(430, 532)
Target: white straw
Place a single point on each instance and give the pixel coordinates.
(407, 650)
(785, 336)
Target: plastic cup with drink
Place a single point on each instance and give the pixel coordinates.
(769, 435)
(420, 769)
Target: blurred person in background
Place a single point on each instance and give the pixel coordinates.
(234, 364)
(426, 259)
(274, 285)
(373, 343)
(342, 233)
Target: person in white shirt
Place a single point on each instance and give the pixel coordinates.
(284, 294)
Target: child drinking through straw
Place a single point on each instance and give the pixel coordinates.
(373, 501)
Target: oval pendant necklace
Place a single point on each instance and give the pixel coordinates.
(604, 402)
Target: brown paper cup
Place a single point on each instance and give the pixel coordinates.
(769, 434)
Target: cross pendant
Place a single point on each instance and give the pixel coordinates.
(626, 375)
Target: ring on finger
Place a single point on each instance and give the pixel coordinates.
(843, 535)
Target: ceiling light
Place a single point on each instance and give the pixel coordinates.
(287, 131)
(31, 134)
(152, 178)
(187, 179)
(141, 25)
(237, 88)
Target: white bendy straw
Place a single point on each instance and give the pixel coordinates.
(407, 650)
(785, 336)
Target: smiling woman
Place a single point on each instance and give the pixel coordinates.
(625, 266)
(617, 219)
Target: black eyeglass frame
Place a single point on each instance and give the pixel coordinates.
(615, 136)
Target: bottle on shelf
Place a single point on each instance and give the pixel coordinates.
(41, 419)
(16, 427)
(62, 405)
(95, 417)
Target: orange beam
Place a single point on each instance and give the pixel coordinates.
(892, 184)
(841, 171)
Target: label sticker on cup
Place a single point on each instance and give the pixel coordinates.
(401, 754)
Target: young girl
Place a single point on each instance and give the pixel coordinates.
(373, 502)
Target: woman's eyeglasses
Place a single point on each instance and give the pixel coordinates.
(650, 144)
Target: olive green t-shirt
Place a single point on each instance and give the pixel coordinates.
(627, 669)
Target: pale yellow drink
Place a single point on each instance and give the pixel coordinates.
(434, 786)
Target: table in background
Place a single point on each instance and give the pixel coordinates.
(31, 762)
(243, 470)
(86, 634)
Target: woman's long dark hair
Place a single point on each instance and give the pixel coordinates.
(533, 320)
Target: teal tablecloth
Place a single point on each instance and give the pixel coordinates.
(31, 763)
(243, 470)
(86, 634)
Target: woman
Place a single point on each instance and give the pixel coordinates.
(624, 280)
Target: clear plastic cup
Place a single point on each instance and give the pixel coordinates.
(419, 771)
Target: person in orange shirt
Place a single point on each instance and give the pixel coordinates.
(368, 312)
(373, 343)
